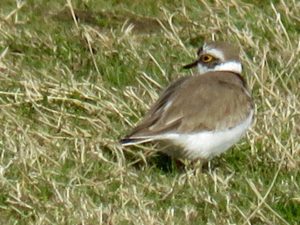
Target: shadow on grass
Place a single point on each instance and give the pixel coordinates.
(140, 159)
(166, 164)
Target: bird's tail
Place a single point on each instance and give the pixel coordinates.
(133, 141)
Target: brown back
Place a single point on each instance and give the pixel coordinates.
(214, 100)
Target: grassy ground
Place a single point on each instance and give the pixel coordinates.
(75, 76)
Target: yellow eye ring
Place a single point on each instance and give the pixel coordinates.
(206, 58)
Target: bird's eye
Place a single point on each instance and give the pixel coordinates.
(206, 58)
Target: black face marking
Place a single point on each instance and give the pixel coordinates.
(199, 50)
(214, 63)
(191, 65)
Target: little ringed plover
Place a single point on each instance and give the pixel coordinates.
(201, 115)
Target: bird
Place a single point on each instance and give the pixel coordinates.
(202, 115)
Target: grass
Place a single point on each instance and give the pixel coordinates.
(71, 88)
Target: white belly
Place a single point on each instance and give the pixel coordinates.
(207, 144)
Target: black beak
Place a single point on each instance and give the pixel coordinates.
(191, 65)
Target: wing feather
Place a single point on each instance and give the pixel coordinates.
(215, 100)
